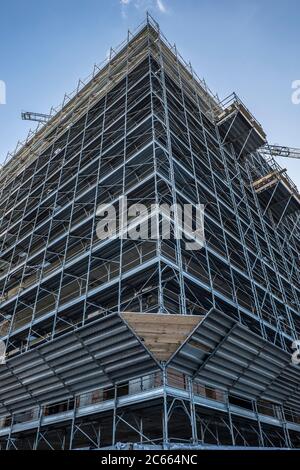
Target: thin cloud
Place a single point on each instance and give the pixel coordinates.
(124, 5)
(157, 5)
(161, 6)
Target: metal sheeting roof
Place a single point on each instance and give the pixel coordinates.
(281, 198)
(238, 128)
(219, 352)
(223, 353)
(96, 355)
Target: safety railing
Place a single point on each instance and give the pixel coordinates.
(174, 379)
(234, 100)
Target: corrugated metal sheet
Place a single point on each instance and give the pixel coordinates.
(96, 355)
(223, 353)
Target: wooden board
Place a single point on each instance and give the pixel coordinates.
(161, 333)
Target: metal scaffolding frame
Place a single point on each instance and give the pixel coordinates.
(146, 127)
(182, 413)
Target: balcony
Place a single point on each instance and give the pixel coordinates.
(277, 193)
(237, 126)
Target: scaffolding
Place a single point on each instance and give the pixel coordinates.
(123, 343)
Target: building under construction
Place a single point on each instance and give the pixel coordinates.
(134, 343)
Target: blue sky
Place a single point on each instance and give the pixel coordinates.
(248, 46)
